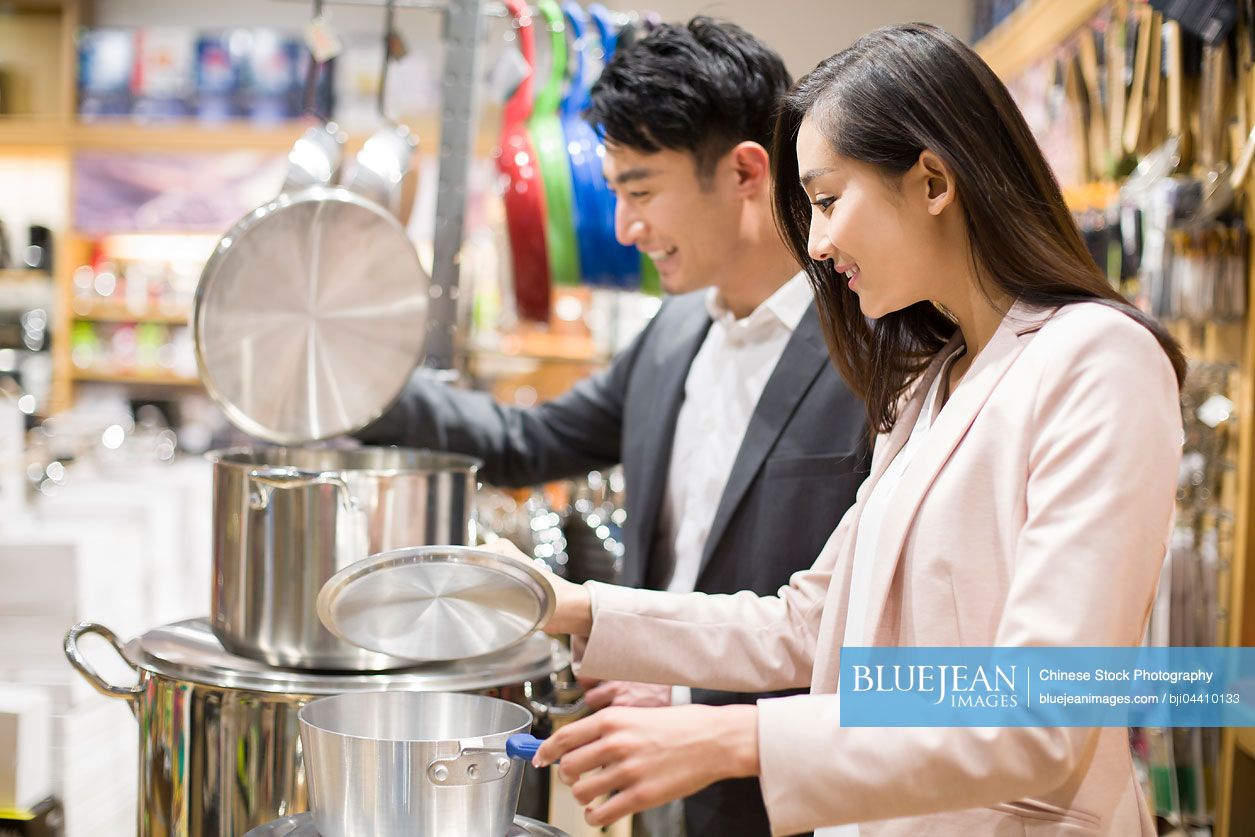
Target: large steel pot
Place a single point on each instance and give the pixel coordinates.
(286, 519)
(219, 734)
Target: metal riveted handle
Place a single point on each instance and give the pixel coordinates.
(472, 766)
(262, 481)
(75, 656)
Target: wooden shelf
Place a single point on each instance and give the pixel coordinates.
(119, 312)
(1033, 31)
(24, 276)
(1245, 738)
(157, 378)
(124, 134)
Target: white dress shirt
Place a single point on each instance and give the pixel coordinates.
(869, 523)
(721, 391)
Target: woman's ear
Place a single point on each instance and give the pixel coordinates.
(938, 182)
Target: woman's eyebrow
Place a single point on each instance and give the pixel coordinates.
(813, 173)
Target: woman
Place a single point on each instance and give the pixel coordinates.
(1021, 491)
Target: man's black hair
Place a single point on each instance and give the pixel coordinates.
(700, 88)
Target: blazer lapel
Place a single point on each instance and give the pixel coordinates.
(804, 357)
(670, 358)
(947, 430)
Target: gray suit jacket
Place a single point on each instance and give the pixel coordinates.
(804, 455)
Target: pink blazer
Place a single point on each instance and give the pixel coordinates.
(1037, 512)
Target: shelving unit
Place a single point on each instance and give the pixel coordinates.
(1033, 33)
(117, 312)
(50, 128)
(137, 377)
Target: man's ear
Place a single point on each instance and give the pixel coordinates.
(752, 166)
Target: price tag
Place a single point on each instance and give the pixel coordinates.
(324, 44)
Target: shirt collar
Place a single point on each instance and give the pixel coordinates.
(785, 307)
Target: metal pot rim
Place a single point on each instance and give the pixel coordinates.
(188, 651)
(440, 460)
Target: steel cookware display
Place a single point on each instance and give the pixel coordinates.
(395, 764)
(302, 825)
(287, 519)
(218, 734)
(436, 603)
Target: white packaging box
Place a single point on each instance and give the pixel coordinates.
(25, 745)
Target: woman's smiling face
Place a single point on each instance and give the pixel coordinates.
(865, 225)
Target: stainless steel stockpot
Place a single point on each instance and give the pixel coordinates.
(219, 735)
(287, 519)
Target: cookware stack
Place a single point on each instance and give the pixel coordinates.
(335, 623)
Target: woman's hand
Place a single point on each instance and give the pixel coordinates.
(651, 756)
(573, 611)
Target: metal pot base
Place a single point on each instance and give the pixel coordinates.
(302, 825)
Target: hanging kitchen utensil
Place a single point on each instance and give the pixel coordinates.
(607, 32)
(594, 202)
(1087, 57)
(524, 192)
(384, 160)
(624, 262)
(436, 603)
(1137, 107)
(315, 158)
(546, 129)
(316, 155)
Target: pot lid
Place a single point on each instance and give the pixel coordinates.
(436, 603)
(302, 825)
(189, 651)
(309, 316)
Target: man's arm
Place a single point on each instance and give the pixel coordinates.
(573, 433)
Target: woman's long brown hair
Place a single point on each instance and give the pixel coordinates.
(892, 94)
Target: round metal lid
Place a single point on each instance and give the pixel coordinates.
(430, 603)
(310, 316)
(302, 825)
(189, 651)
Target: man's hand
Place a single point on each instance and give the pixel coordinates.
(599, 695)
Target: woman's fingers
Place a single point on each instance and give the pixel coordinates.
(636, 798)
(569, 737)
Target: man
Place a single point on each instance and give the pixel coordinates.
(741, 446)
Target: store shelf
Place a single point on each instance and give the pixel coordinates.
(157, 378)
(184, 136)
(118, 312)
(24, 276)
(1033, 31)
(1246, 739)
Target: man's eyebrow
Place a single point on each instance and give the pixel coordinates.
(631, 175)
(813, 173)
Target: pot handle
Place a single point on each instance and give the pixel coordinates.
(549, 712)
(72, 653)
(265, 480)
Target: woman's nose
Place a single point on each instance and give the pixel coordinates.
(818, 245)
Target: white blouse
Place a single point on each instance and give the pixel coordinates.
(867, 535)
